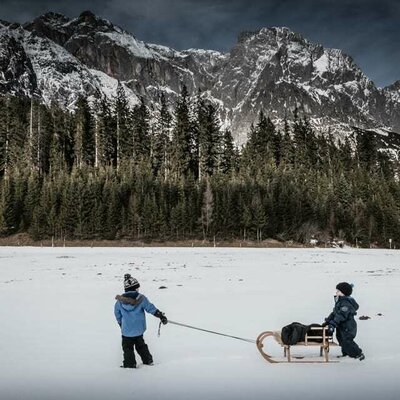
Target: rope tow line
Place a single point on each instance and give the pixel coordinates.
(206, 330)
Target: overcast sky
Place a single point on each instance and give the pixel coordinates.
(368, 30)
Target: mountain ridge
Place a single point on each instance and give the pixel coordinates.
(272, 69)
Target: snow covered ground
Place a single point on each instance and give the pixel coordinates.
(59, 339)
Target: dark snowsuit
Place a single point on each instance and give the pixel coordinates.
(342, 318)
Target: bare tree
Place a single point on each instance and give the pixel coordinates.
(207, 209)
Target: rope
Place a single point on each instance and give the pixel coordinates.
(206, 330)
(159, 329)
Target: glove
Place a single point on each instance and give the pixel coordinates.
(331, 326)
(328, 321)
(330, 330)
(161, 315)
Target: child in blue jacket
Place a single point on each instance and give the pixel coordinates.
(342, 319)
(129, 311)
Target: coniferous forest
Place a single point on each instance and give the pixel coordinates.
(109, 171)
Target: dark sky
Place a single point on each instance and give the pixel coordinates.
(368, 30)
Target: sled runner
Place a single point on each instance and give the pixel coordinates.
(324, 342)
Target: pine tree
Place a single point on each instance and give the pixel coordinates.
(113, 214)
(4, 137)
(9, 217)
(264, 137)
(107, 134)
(207, 209)
(123, 133)
(366, 150)
(20, 192)
(13, 128)
(182, 139)
(134, 218)
(85, 140)
(228, 154)
(287, 146)
(212, 141)
(141, 132)
(47, 132)
(259, 218)
(59, 142)
(161, 145)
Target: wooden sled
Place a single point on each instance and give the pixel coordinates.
(324, 343)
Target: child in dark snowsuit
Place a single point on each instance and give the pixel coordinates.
(129, 312)
(342, 318)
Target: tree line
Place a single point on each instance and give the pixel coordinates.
(110, 171)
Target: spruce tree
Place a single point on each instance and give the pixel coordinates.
(141, 132)
(366, 150)
(9, 216)
(123, 132)
(161, 146)
(207, 209)
(107, 134)
(259, 218)
(228, 154)
(212, 138)
(85, 140)
(182, 138)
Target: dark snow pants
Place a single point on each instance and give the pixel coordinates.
(128, 346)
(349, 346)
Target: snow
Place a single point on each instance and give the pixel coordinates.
(166, 52)
(59, 338)
(135, 47)
(322, 64)
(61, 76)
(392, 92)
(205, 53)
(164, 89)
(314, 92)
(381, 131)
(109, 85)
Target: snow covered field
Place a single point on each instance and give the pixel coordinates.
(59, 339)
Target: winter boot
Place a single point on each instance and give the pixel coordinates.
(128, 365)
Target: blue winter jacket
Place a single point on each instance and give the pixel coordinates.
(132, 318)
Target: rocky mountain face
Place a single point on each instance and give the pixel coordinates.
(17, 75)
(274, 69)
(277, 70)
(392, 105)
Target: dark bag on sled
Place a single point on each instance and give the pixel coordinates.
(294, 333)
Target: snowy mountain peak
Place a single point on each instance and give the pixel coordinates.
(89, 22)
(88, 16)
(52, 18)
(271, 35)
(271, 69)
(392, 92)
(283, 33)
(395, 86)
(61, 29)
